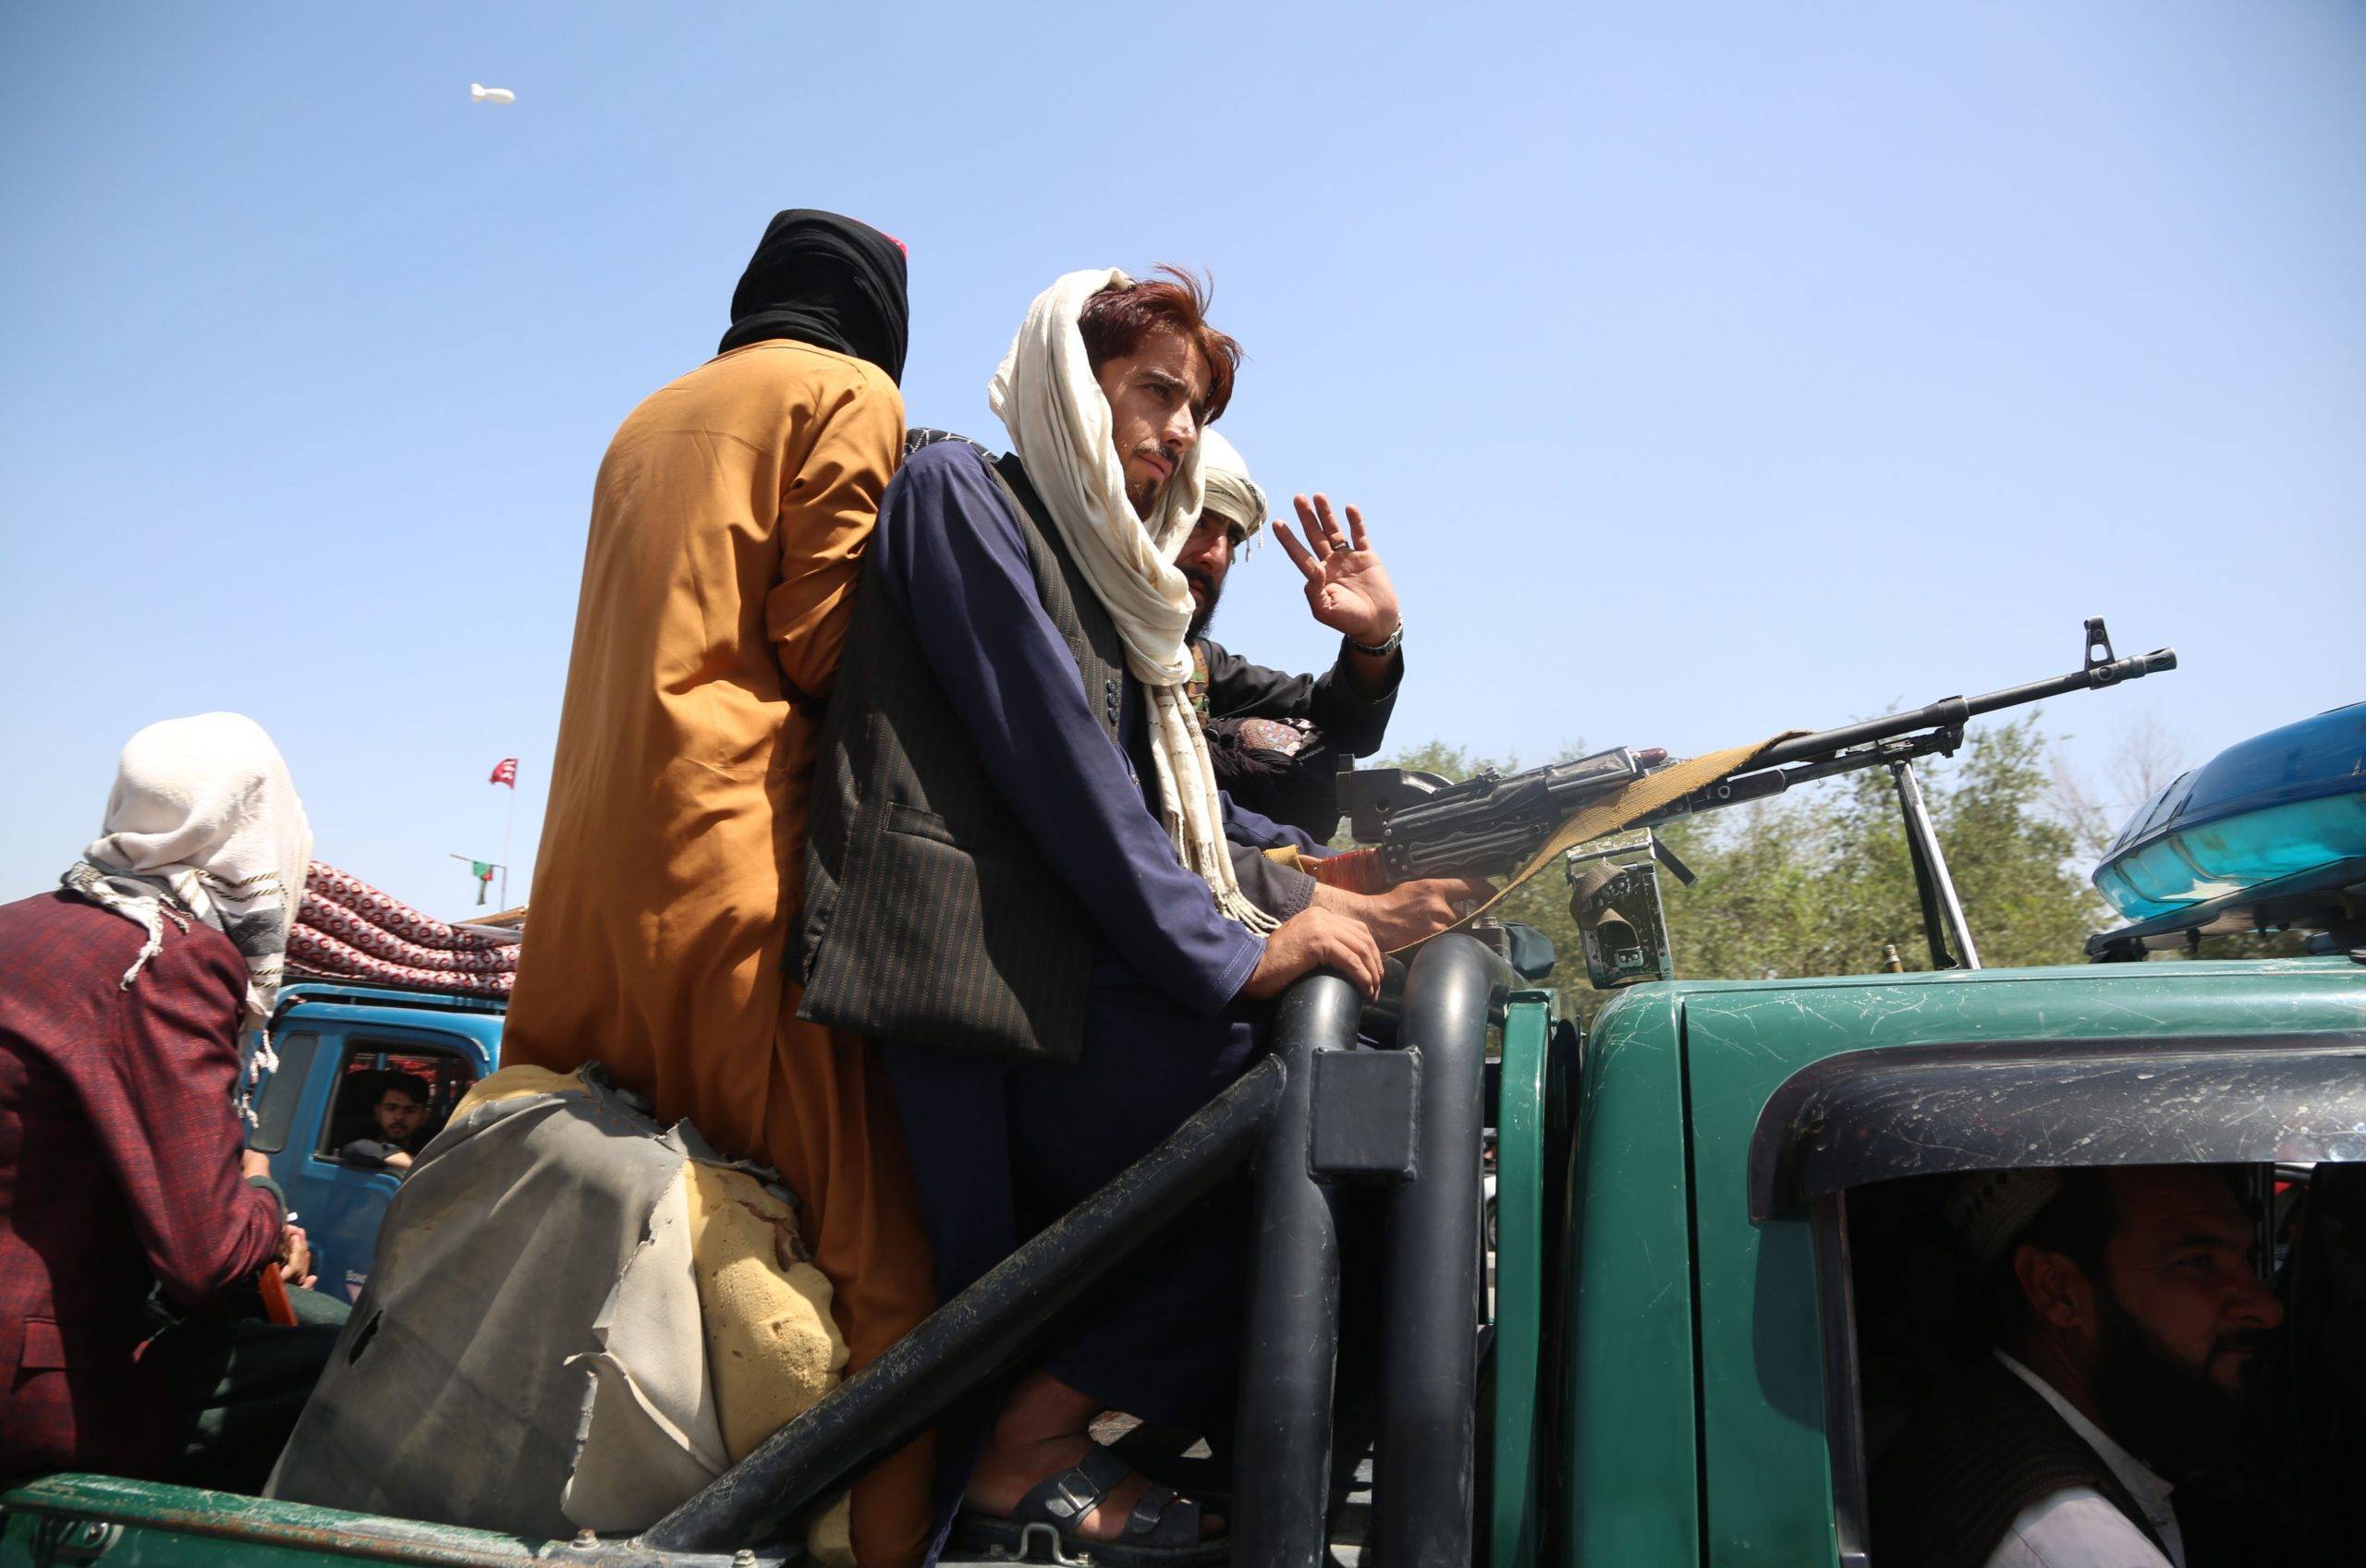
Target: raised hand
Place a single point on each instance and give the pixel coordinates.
(1347, 587)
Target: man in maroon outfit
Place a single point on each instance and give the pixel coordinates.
(121, 999)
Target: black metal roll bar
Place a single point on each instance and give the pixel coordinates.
(1424, 1455)
(977, 1335)
(1316, 1112)
(1290, 1346)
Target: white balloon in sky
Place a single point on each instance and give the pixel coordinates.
(480, 93)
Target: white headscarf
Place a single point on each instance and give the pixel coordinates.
(203, 823)
(1231, 493)
(1047, 396)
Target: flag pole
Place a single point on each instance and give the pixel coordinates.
(509, 822)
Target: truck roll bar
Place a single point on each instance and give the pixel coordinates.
(1316, 1112)
(1425, 1453)
(1290, 1349)
(975, 1336)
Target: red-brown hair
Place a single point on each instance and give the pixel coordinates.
(1114, 322)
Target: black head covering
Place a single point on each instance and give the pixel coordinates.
(825, 280)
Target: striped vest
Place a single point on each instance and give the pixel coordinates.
(930, 916)
(1986, 1446)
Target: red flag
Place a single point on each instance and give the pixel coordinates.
(505, 773)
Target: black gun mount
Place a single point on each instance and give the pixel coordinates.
(1488, 824)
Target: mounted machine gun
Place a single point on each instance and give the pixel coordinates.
(1419, 824)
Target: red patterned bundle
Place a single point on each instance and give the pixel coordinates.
(347, 930)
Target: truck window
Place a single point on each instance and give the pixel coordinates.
(276, 1105)
(1869, 1146)
(1921, 1316)
(369, 1065)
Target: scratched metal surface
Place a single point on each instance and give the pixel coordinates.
(1929, 1109)
(1630, 1447)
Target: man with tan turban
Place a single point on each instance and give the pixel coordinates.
(1276, 740)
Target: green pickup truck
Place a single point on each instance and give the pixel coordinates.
(1694, 1304)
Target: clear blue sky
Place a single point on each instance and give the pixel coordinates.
(1704, 369)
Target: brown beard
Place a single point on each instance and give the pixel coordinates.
(1142, 495)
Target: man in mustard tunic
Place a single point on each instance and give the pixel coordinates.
(728, 531)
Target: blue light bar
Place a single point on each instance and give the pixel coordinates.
(2274, 807)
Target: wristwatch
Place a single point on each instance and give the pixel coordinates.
(1381, 649)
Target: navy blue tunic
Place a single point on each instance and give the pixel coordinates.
(1001, 1149)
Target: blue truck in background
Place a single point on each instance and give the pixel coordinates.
(338, 1043)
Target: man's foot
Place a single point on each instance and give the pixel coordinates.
(1041, 1433)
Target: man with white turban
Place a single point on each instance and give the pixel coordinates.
(1020, 877)
(1276, 740)
(127, 989)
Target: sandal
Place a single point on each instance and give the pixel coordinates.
(1162, 1532)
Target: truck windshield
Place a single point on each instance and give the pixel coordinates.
(276, 1103)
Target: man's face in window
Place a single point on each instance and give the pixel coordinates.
(399, 1115)
(2183, 1264)
(2181, 1321)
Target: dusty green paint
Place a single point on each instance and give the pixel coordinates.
(1767, 1473)
(1519, 1281)
(1626, 1369)
(183, 1527)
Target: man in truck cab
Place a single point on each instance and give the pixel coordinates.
(2126, 1317)
(399, 1114)
(1277, 739)
(1020, 878)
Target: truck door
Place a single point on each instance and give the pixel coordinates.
(340, 1196)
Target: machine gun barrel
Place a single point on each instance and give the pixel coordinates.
(1427, 826)
(1901, 738)
(1953, 711)
(1422, 824)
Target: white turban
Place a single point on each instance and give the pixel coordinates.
(1989, 1210)
(1231, 493)
(203, 823)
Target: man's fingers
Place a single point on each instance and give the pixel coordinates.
(1300, 556)
(1350, 947)
(1360, 962)
(1330, 530)
(1363, 540)
(1318, 533)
